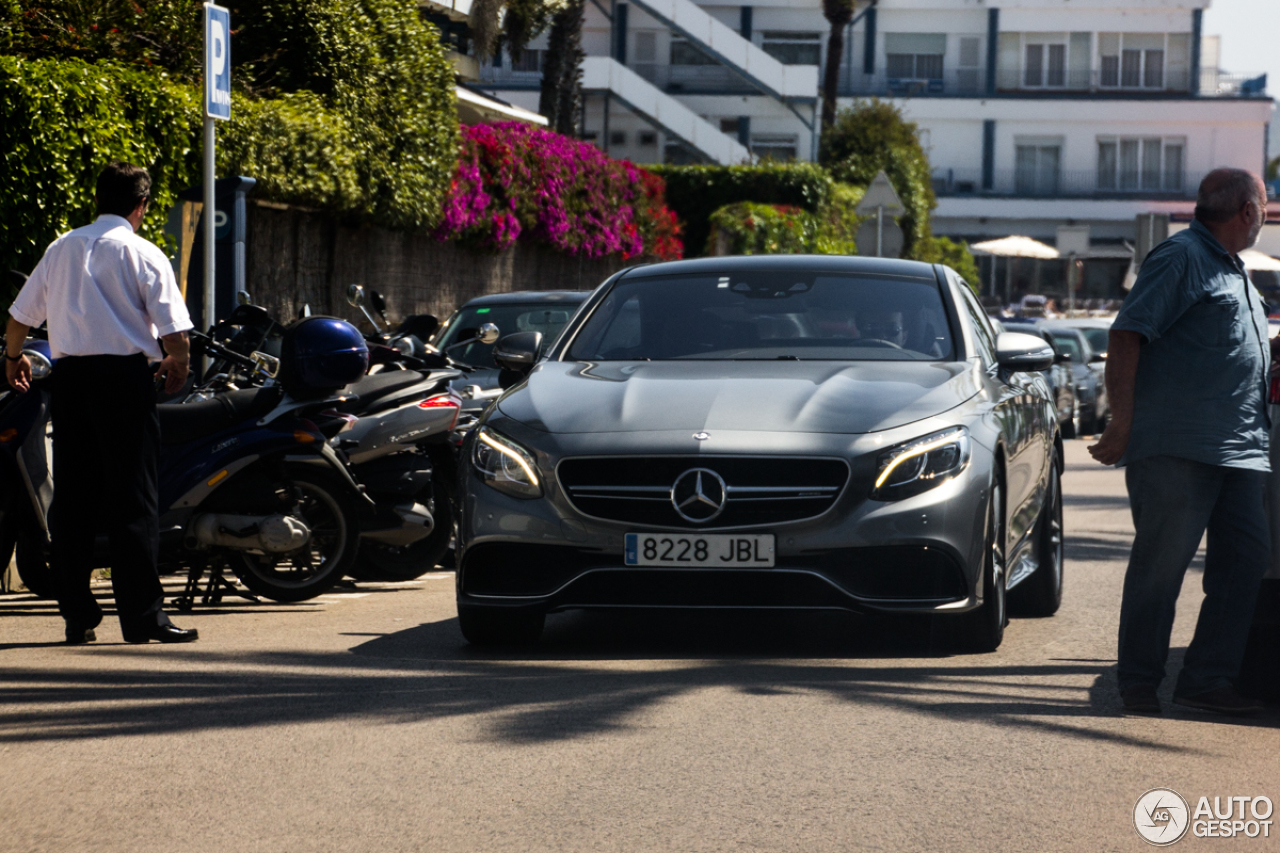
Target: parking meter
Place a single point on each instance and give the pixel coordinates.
(229, 240)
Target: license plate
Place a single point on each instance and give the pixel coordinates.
(714, 549)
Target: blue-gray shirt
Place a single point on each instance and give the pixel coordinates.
(1201, 389)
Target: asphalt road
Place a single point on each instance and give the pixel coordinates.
(362, 722)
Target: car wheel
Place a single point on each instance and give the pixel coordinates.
(493, 626)
(1041, 594)
(982, 630)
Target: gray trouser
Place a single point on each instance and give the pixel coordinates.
(1174, 501)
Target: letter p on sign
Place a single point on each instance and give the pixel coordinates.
(217, 62)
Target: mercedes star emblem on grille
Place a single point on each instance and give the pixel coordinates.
(698, 495)
(702, 436)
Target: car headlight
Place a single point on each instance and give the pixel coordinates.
(919, 465)
(505, 465)
(41, 368)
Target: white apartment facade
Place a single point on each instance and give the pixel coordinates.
(1034, 113)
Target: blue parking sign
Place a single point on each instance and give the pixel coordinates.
(217, 61)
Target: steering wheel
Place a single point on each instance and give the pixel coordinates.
(877, 342)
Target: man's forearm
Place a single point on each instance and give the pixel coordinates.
(1123, 348)
(15, 336)
(177, 345)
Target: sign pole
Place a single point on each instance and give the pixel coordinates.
(217, 105)
(879, 231)
(210, 222)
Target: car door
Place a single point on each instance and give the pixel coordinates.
(1023, 403)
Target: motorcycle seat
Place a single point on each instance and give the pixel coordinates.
(183, 422)
(373, 388)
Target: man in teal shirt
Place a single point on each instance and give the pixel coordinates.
(1187, 366)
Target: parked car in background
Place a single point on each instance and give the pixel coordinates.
(545, 311)
(1059, 375)
(1089, 369)
(786, 431)
(1096, 331)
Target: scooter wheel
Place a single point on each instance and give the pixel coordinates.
(326, 506)
(377, 562)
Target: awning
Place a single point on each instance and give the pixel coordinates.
(1015, 247)
(475, 108)
(1258, 261)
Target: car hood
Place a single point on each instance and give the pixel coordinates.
(817, 396)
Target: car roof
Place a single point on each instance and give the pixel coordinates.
(526, 297)
(1083, 322)
(745, 263)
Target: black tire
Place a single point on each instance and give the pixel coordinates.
(1041, 594)
(378, 562)
(494, 626)
(982, 630)
(33, 568)
(329, 509)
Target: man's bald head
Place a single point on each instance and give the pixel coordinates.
(1223, 192)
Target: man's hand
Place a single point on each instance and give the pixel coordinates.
(1112, 445)
(174, 372)
(18, 373)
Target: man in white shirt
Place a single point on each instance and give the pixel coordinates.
(107, 295)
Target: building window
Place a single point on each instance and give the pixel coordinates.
(915, 66)
(648, 138)
(970, 61)
(781, 147)
(617, 137)
(530, 60)
(1037, 168)
(1143, 60)
(792, 48)
(684, 53)
(1045, 65)
(1148, 163)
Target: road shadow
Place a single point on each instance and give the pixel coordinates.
(555, 691)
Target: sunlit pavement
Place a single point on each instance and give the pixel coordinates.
(361, 721)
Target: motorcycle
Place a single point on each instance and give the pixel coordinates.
(399, 445)
(247, 479)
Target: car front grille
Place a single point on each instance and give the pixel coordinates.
(757, 489)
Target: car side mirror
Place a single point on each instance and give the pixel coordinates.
(518, 352)
(1062, 358)
(1098, 358)
(1023, 353)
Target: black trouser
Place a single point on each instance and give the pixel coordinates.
(106, 449)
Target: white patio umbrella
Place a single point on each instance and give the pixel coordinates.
(1255, 260)
(1012, 247)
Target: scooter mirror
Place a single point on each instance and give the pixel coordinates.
(355, 296)
(243, 298)
(379, 304)
(488, 333)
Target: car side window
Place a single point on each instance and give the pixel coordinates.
(983, 336)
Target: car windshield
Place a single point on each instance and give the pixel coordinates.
(1070, 345)
(768, 314)
(1097, 338)
(549, 318)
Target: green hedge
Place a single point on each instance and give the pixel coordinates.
(749, 228)
(695, 192)
(61, 122)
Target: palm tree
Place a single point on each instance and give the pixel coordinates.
(561, 97)
(839, 13)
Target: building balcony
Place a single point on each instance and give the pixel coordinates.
(1017, 82)
(1065, 184)
(963, 82)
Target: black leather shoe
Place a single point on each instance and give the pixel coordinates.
(1224, 700)
(79, 633)
(163, 634)
(1140, 699)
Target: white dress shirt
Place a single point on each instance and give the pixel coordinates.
(104, 291)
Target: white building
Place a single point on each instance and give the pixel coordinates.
(1034, 113)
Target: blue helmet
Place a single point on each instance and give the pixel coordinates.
(320, 355)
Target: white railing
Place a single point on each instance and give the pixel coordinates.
(726, 45)
(604, 74)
